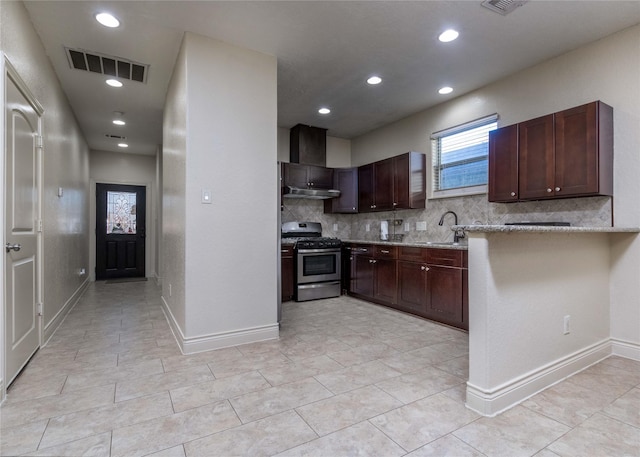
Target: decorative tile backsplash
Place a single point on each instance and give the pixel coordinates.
(584, 212)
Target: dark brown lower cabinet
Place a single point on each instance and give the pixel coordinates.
(444, 294)
(430, 283)
(412, 287)
(286, 273)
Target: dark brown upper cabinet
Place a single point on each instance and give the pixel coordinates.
(395, 183)
(307, 176)
(346, 181)
(561, 155)
(503, 164)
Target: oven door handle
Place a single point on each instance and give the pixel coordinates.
(318, 251)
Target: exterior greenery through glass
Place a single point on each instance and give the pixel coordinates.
(460, 156)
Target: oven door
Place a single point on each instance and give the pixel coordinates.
(317, 265)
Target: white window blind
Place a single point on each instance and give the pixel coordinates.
(460, 154)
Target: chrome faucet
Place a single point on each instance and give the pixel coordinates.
(459, 233)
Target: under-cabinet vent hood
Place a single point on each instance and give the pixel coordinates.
(310, 194)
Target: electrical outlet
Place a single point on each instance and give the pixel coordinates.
(421, 226)
(367, 227)
(335, 227)
(406, 226)
(566, 325)
(169, 290)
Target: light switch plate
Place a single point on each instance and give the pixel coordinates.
(335, 227)
(406, 226)
(367, 227)
(206, 196)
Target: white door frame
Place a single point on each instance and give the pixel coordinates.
(8, 70)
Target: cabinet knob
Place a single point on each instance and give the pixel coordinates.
(354, 208)
(549, 190)
(374, 261)
(351, 258)
(395, 204)
(424, 268)
(557, 189)
(513, 194)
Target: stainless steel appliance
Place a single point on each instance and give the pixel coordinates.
(317, 261)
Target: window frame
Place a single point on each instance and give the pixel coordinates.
(435, 139)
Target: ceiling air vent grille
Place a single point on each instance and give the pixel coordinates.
(116, 137)
(107, 65)
(503, 7)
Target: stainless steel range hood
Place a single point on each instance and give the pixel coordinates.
(310, 194)
(308, 146)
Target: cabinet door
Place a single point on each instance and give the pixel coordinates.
(286, 273)
(412, 287)
(385, 280)
(362, 275)
(320, 177)
(445, 294)
(576, 151)
(365, 188)
(295, 175)
(536, 173)
(503, 164)
(346, 181)
(383, 185)
(409, 181)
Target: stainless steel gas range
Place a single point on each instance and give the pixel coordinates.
(316, 261)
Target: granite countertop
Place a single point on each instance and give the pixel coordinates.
(543, 229)
(421, 244)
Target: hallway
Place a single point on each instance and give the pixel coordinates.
(346, 378)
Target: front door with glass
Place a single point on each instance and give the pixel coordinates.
(120, 231)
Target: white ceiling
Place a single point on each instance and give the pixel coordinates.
(325, 50)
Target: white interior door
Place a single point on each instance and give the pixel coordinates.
(22, 155)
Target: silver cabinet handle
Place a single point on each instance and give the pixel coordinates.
(423, 268)
(384, 251)
(557, 189)
(549, 190)
(12, 247)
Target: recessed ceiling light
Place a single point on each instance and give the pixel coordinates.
(107, 20)
(374, 80)
(445, 90)
(324, 110)
(114, 83)
(123, 145)
(448, 35)
(119, 122)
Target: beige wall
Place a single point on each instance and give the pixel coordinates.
(229, 247)
(65, 164)
(121, 168)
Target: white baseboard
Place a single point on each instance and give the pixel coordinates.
(628, 349)
(54, 323)
(220, 340)
(494, 401)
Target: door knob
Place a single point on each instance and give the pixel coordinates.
(12, 247)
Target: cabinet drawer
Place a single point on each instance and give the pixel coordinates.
(412, 254)
(286, 250)
(445, 257)
(361, 249)
(385, 252)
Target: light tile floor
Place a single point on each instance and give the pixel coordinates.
(346, 378)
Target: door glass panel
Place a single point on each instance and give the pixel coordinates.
(121, 212)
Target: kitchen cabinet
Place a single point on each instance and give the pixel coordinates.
(346, 181)
(395, 183)
(427, 282)
(286, 272)
(307, 176)
(373, 273)
(560, 155)
(503, 164)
